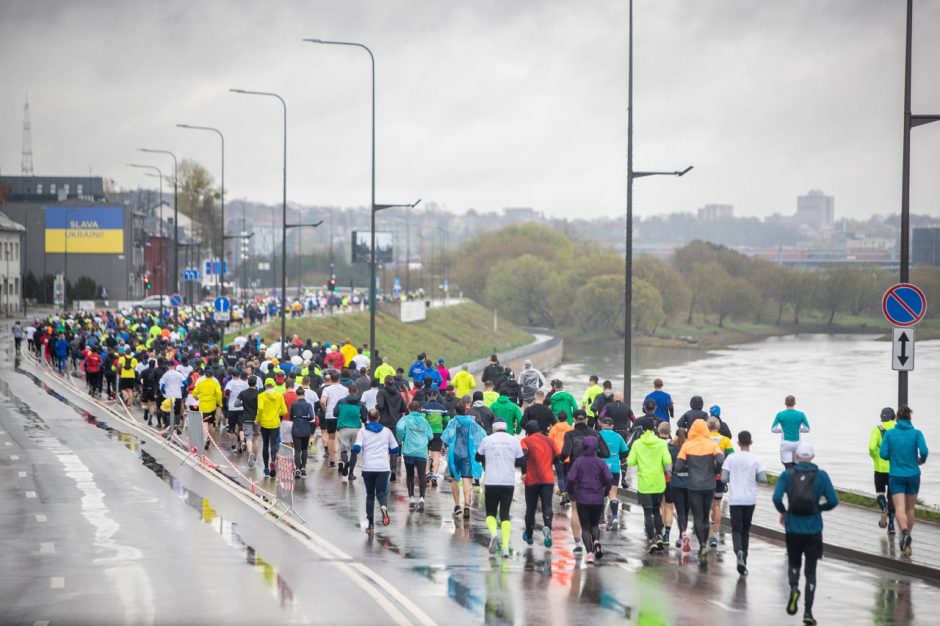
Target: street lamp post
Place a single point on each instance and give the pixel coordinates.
(283, 216)
(161, 263)
(221, 276)
(372, 293)
(176, 221)
(631, 174)
(910, 121)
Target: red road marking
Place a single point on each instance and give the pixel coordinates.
(893, 293)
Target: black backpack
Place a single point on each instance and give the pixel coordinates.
(801, 495)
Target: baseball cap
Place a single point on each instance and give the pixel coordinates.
(805, 450)
(887, 414)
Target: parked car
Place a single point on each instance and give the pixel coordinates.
(153, 302)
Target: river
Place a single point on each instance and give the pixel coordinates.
(841, 382)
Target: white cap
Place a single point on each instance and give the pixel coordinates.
(499, 425)
(805, 450)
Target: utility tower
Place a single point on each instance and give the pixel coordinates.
(27, 163)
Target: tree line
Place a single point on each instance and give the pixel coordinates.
(535, 275)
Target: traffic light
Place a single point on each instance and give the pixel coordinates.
(147, 283)
(332, 284)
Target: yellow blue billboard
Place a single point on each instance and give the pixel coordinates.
(85, 230)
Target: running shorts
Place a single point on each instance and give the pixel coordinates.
(126, 383)
(436, 445)
(908, 485)
(330, 425)
(209, 418)
(881, 482)
(787, 448)
(234, 420)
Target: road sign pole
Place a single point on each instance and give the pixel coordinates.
(904, 305)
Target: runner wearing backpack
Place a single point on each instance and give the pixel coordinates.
(885, 501)
(804, 485)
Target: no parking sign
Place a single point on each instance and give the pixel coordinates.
(904, 304)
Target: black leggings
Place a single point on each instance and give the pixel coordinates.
(534, 493)
(498, 497)
(652, 515)
(269, 444)
(300, 451)
(680, 498)
(701, 502)
(798, 546)
(415, 465)
(590, 517)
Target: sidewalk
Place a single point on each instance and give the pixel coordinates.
(851, 532)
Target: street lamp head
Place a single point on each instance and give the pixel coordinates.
(237, 90)
(183, 126)
(685, 171)
(314, 40)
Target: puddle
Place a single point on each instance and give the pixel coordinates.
(39, 431)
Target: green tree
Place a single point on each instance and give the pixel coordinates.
(647, 307)
(771, 283)
(598, 304)
(837, 289)
(667, 280)
(731, 296)
(704, 279)
(479, 256)
(587, 265)
(800, 291)
(198, 200)
(519, 288)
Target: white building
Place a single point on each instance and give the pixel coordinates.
(11, 268)
(716, 212)
(816, 210)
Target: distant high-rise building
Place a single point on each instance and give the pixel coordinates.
(816, 209)
(925, 246)
(715, 212)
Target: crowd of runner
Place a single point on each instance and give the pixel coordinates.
(449, 426)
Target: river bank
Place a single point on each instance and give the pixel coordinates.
(705, 336)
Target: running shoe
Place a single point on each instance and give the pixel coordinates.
(527, 537)
(659, 542)
(666, 537)
(266, 473)
(891, 530)
(653, 549)
(578, 547)
(883, 520)
(332, 464)
(303, 472)
(612, 524)
(434, 481)
(703, 555)
(343, 469)
(564, 498)
(590, 558)
(385, 519)
(273, 468)
(598, 552)
(742, 564)
(412, 503)
(251, 460)
(494, 543)
(506, 553)
(686, 544)
(351, 477)
(296, 473)
(808, 619)
(547, 536)
(370, 528)
(457, 511)
(421, 504)
(466, 512)
(234, 448)
(714, 541)
(793, 603)
(906, 544)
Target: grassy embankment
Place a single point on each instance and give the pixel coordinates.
(706, 334)
(458, 334)
(865, 501)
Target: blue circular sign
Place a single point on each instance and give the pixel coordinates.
(904, 304)
(222, 304)
(176, 299)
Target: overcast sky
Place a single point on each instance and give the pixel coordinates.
(485, 104)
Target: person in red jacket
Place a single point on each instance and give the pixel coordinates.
(92, 366)
(539, 476)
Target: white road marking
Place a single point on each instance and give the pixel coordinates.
(44, 622)
(13, 457)
(725, 606)
(40, 517)
(57, 582)
(21, 474)
(10, 443)
(46, 548)
(30, 494)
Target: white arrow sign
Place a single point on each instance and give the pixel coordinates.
(902, 350)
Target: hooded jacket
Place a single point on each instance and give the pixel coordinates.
(463, 430)
(905, 447)
(271, 408)
(560, 401)
(573, 446)
(694, 413)
(390, 405)
(589, 479)
(531, 380)
(464, 383)
(303, 419)
(874, 446)
(483, 416)
(650, 456)
(414, 434)
(699, 459)
(350, 412)
(508, 411)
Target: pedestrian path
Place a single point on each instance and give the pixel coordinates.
(852, 532)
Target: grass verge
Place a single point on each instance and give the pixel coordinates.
(458, 333)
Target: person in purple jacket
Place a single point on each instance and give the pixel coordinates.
(588, 481)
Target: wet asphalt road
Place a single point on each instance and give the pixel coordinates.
(131, 536)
